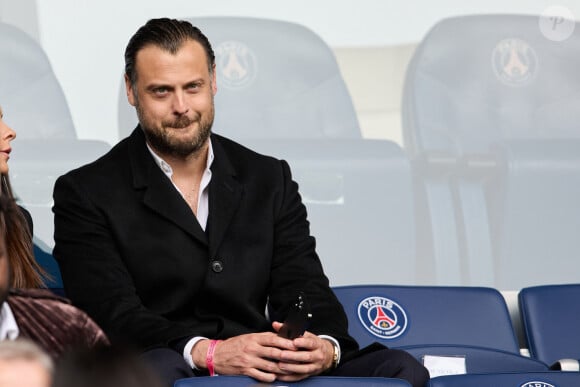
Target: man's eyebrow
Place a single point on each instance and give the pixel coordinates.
(196, 81)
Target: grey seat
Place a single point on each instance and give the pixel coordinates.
(280, 92)
(28, 81)
(47, 144)
(490, 115)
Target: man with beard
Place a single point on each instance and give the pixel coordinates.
(178, 239)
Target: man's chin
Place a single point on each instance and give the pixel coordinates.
(187, 146)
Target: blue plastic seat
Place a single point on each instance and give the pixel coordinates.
(551, 319)
(523, 379)
(316, 381)
(469, 322)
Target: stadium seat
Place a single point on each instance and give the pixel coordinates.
(47, 145)
(551, 320)
(523, 379)
(289, 101)
(49, 264)
(490, 120)
(440, 322)
(316, 381)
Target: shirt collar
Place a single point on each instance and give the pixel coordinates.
(8, 327)
(166, 168)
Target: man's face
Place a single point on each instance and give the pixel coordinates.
(173, 95)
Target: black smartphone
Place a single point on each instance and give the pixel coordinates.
(298, 318)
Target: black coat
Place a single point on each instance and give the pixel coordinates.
(133, 255)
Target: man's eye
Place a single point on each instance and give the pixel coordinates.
(160, 91)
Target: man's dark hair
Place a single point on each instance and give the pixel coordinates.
(167, 34)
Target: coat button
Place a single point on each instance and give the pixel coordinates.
(217, 266)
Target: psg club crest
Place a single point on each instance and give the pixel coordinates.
(382, 317)
(514, 62)
(537, 384)
(236, 64)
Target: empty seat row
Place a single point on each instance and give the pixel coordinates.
(490, 112)
(511, 379)
(316, 381)
(463, 335)
(468, 329)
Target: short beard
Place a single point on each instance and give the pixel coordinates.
(160, 138)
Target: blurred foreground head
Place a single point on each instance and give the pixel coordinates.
(103, 367)
(23, 363)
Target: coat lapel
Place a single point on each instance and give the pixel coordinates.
(225, 194)
(159, 193)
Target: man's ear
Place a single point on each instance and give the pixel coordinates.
(129, 90)
(213, 80)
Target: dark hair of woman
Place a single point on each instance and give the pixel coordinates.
(25, 272)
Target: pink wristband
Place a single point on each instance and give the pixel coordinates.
(209, 356)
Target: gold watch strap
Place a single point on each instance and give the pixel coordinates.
(334, 355)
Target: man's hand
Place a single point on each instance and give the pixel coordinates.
(268, 357)
(312, 356)
(256, 355)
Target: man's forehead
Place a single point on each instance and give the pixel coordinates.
(186, 45)
(157, 65)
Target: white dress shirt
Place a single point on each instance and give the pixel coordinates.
(8, 327)
(203, 199)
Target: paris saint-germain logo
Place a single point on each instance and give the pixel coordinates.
(514, 62)
(236, 64)
(382, 317)
(537, 384)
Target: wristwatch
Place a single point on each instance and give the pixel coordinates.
(335, 352)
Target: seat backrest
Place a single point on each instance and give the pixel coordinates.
(520, 379)
(475, 80)
(47, 145)
(551, 319)
(49, 264)
(275, 79)
(30, 94)
(404, 316)
(316, 381)
(356, 188)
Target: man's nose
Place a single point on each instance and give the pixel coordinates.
(179, 103)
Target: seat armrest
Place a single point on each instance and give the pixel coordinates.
(566, 365)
